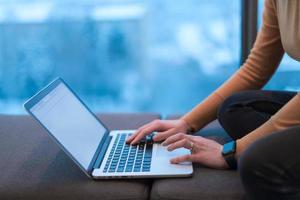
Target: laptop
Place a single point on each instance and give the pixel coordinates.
(99, 152)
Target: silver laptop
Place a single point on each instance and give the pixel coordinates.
(100, 153)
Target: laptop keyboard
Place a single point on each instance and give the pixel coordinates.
(128, 158)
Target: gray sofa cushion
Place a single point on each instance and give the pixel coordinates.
(33, 167)
(207, 184)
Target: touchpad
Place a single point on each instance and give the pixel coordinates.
(161, 151)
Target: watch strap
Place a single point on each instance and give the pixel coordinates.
(231, 161)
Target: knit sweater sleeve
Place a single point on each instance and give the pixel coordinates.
(261, 64)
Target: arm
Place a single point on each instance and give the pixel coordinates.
(208, 152)
(254, 73)
(257, 70)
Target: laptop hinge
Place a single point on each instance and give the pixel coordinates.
(102, 152)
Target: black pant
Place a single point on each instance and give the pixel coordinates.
(270, 167)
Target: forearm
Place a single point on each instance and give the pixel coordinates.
(242, 80)
(203, 113)
(286, 117)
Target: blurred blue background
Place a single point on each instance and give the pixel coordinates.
(122, 55)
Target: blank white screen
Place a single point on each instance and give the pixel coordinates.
(70, 122)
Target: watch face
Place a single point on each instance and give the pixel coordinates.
(229, 148)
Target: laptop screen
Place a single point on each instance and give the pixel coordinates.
(70, 122)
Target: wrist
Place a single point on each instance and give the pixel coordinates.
(189, 129)
(223, 163)
(239, 149)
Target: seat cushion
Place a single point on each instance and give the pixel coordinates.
(206, 184)
(33, 167)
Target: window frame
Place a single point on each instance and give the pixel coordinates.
(248, 27)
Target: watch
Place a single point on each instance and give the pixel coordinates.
(228, 154)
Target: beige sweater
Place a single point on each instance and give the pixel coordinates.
(280, 33)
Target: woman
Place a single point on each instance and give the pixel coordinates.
(263, 124)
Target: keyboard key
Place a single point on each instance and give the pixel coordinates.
(139, 158)
(129, 164)
(111, 170)
(128, 170)
(137, 166)
(149, 148)
(105, 169)
(147, 159)
(137, 169)
(146, 166)
(122, 161)
(120, 170)
(146, 169)
(113, 166)
(146, 163)
(138, 162)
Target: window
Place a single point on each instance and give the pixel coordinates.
(286, 77)
(120, 55)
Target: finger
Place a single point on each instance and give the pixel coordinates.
(129, 139)
(185, 158)
(146, 131)
(173, 138)
(186, 143)
(163, 135)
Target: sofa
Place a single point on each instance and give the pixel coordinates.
(34, 167)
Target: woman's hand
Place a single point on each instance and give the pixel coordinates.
(204, 151)
(165, 128)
